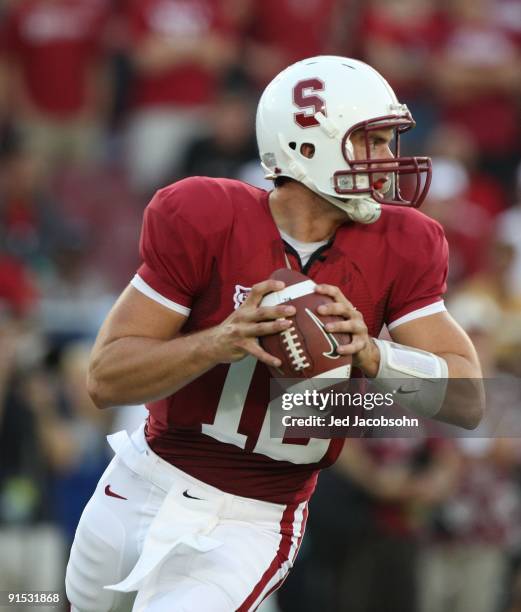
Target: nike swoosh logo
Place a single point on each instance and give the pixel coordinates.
(331, 340)
(404, 391)
(111, 493)
(186, 494)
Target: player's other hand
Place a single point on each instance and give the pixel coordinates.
(366, 355)
(237, 335)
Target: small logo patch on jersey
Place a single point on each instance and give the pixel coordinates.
(241, 293)
(186, 494)
(111, 493)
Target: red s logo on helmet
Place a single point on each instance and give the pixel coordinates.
(304, 98)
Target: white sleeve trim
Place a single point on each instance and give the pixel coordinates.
(417, 314)
(147, 290)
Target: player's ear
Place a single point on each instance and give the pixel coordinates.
(307, 150)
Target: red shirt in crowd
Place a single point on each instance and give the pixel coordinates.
(415, 39)
(55, 44)
(409, 454)
(491, 116)
(292, 29)
(186, 83)
(17, 289)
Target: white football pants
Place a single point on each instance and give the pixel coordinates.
(154, 539)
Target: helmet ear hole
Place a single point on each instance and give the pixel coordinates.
(307, 150)
(292, 145)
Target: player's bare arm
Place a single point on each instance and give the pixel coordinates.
(441, 335)
(141, 355)
(438, 334)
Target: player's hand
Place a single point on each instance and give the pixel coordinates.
(237, 335)
(366, 355)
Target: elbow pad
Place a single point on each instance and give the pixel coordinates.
(418, 379)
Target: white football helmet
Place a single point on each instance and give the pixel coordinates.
(322, 101)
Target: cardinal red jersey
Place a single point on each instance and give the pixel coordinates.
(204, 243)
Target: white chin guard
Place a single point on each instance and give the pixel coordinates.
(360, 210)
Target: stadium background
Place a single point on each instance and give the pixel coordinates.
(101, 102)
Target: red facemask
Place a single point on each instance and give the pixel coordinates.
(411, 176)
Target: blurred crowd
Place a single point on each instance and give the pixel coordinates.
(104, 101)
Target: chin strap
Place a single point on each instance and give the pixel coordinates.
(360, 210)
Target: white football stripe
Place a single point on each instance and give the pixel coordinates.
(340, 372)
(289, 293)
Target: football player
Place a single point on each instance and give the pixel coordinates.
(200, 510)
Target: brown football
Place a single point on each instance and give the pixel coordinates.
(306, 349)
